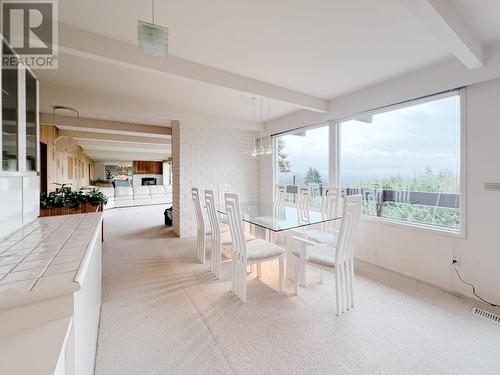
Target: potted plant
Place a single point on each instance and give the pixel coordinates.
(61, 201)
(101, 183)
(64, 201)
(92, 200)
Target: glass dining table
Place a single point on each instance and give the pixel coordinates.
(276, 218)
(276, 222)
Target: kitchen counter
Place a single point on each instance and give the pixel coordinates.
(50, 295)
(43, 258)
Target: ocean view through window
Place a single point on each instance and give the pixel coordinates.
(406, 162)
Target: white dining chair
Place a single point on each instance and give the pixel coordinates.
(327, 233)
(248, 253)
(337, 259)
(222, 189)
(219, 239)
(303, 196)
(201, 231)
(280, 195)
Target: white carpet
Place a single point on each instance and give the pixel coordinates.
(164, 314)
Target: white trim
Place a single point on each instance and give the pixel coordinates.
(38, 165)
(274, 166)
(17, 173)
(403, 104)
(21, 118)
(463, 161)
(302, 129)
(455, 233)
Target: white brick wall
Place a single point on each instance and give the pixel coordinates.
(204, 158)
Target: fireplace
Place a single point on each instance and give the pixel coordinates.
(148, 181)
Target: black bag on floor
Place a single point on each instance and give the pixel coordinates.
(168, 217)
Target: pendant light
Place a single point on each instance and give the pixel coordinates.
(260, 150)
(254, 150)
(269, 149)
(153, 38)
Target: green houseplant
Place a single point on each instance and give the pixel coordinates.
(64, 201)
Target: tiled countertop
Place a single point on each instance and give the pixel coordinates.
(44, 257)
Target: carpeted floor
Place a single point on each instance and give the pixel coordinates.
(164, 314)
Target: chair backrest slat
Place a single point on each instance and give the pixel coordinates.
(223, 189)
(232, 204)
(303, 196)
(195, 194)
(329, 201)
(280, 195)
(212, 215)
(350, 219)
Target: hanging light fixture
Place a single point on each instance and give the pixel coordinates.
(152, 38)
(260, 150)
(65, 143)
(254, 151)
(269, 149)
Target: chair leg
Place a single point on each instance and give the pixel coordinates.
(337, 290)
(282, 273)
(243, 284)
(351, 281)
(259, 270)
(321, 276)
(297, 275)
(343, 280)
(218, 259)
(348, 285)
(202, 250)
(233, 274)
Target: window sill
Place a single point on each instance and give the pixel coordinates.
(458, 233)
(17, 173)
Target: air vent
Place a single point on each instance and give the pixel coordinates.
(486, 314)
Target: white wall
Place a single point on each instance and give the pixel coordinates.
(426, 255)
(204, 158)
(19, 201)
(423, 254)
(100, 171)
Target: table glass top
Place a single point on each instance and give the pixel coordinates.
(279, 218)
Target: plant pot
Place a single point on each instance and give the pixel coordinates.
(90, 207)
(56, 211)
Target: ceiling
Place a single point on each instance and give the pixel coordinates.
(320, 49)
(482, 18)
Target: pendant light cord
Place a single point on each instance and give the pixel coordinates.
(153, 10)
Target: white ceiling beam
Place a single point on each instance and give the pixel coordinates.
(443, 20)
(113, 155)
(108, 137)
(121, 148)
(100, 48)
(108, 105)
(103, 126)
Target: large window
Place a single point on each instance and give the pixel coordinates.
(9, 135)
(302, 158)
(31, 141)
(406, 162)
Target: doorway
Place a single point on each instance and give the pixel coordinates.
(43, 167)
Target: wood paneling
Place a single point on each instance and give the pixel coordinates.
(59, 167)
(147, 167)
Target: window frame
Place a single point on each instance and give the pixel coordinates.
(335, 161)
(332, 134)
(460, 232)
